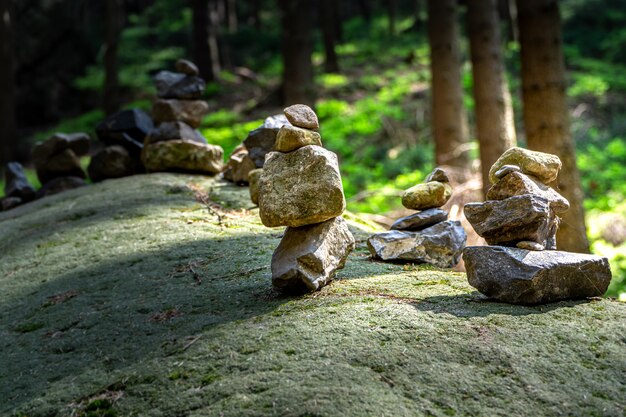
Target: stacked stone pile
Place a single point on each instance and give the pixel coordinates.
(122, 134)
(250, 155)
(426, 236)
(300, 187)
(175, 144)
(519, 221)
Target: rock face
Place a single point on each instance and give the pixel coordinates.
(432, 194)
(440, 245)
(110, 162)
(542, 165)
(520, 276)
(518, 218)
(16, 184)
(190, 112)
(174, 131)
(180, 155)
(300, 188)
(308, 257)
(420, 220)
(517, 183)
(301, 115)
(58, 156)
(261, 140)
(254, 178)
(290, 138)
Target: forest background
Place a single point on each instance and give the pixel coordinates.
(373, 97)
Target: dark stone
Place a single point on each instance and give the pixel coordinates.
(79, 143)
(440, 245)
(187, 67)
(127, 128)
(54, 158)
(308, 257)
(421, 220)
(437, 174)
(59, 185)
(110, 162)
(7, 203)
(517, 183)
(515, 219)
(179, 86)
(16, 184)
(520, 276)
(124, 140)
(174, 131)
(173, 110)
(261, 141)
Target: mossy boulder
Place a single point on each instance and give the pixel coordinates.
(151, 296)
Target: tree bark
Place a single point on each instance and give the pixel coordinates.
(8, 140)
(391, 11)
(508, 14)
(297, 46)
(206, 55)
(114, 15)
(231, 13)
(449, 121)
(329, 27)
(495, 127)
(213, 34)
(546, 116)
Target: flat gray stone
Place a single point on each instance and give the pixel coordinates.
(518, 183)
(174, 131)
(308, 257)
(440, 245)
(261, 140)
(520, 276)
(178, 85)
(420, 220)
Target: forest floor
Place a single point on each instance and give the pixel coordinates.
(151, 296)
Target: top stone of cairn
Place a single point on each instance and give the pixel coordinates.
(303, 116)
(187, 67)
(542, 165)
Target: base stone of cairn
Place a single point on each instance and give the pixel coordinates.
(111, 162)
(175, 144)
(59, 155)
(426, 236)
(302, 189)
(521, 219)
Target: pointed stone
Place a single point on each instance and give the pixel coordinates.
(437, 174)
(16, 184)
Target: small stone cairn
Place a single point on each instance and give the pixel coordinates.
(519, 221)
(175, 144)
(426, 236)
(300, 187)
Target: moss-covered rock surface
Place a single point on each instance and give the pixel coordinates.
(151, 296)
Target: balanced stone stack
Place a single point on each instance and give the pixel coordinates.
(250, 155)
(519, 220)
(300, 187)
(17, 189)
(122, 134)
(57, 162)
(175, 144)
(426, 236)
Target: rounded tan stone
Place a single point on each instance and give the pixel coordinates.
(290, 138)
(301, 115)
(542, 165)
(432, 194)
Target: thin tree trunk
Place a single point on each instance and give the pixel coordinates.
(495, 127)
(508, 13)
(449, 121)
(256, 14)
(391, 11)
(213, 33)
(338, 16)
(8, 140)
(546, 117)
(114, 15)
(297, 46)
(200, 34)
(231, 13)
(327, 18)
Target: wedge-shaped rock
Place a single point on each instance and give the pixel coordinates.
(308, 257)
(437, 174)
(180, 155)
(290, 138)
(515, 219)
(428, 195)
(16, 184)
(188, 111)
(303, 116)
(127, 128)
(261, 141)
(239, 166)
(300, 188)
(440, 245)
(178, 85)
(174, 131)
(517, 183)
(421, 220)
(111, 162)
(520, 276)
(254, 179)
(542, 165)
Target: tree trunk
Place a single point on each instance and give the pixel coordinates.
(546, 118)
(329, 26)
(508, 14)
(231, 14)
(213, 33)
(204, 40)
(449, 121)
(255, 13)
(297, 46)
(495, 127)
(114, 15)
(8, 140)
(391, 11)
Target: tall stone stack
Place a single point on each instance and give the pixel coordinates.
(175, 144)
(519, 221)
(300, 187)
(425, 236)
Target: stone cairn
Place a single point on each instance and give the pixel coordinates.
(300, 187)
(519, 221)
(426, 236)
(175, 144)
